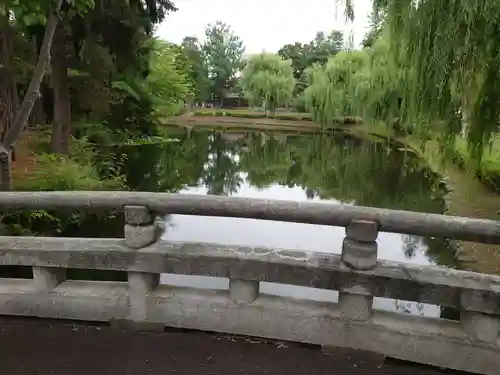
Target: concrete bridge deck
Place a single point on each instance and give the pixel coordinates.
(48, 347)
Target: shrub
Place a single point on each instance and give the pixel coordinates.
(299, 103)
(75, 171)
(61, 172)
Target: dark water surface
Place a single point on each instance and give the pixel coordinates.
(331, 168)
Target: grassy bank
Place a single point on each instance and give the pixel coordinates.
(467, 197)
(487, 170)
(249, 114)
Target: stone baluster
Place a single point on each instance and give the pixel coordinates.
(243, 291)
(477, 325)
(141, 230)
(359, 251)
(47, 278)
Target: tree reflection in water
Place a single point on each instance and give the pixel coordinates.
(325, 166)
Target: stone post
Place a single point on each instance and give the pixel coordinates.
(47, 278)
(243, 291)
(477, 325)
(359, 252)
(141, 230)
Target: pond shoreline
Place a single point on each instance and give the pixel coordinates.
(467, 196)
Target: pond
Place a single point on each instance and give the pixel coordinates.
(329, 167)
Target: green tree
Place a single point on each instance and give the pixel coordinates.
(317, 51)
(376, 20)
(222, 54)
(322, 47)
(198, 71)
(448, 54)
(27, 12)
(168, 80)
(335, 89)
(268, 80)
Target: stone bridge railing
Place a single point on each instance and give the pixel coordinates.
(471, 344)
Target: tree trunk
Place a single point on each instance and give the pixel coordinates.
(9, 100)
(38, 113)
(465, 109)
(62, 100)
(23, 113)
(5, 169)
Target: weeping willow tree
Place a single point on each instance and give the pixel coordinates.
(333, 89)
(447, 53)
(268, 80)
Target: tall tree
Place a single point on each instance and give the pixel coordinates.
(168, 80)
(268, 80)
(317, 51)
(198, 73)
(322, 47)
(448, 54)
(376, 22)
(114, 46)
(297, 54)
(62, 96)
(23, 113)
(335, 88)
(222, 54)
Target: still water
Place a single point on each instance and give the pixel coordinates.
(329, 168)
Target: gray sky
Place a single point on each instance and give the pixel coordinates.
(264, 25)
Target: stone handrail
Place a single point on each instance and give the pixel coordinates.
(471, 344)
(420, 224)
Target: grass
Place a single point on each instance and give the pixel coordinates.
(488, 169)
(467, 197)
(247, 113)
(290, 116)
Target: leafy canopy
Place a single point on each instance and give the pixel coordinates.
(268, 80)
(447, 53)
(333, 89)
(223, 56)
(168, 80)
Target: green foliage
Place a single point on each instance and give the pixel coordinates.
(379, 87)
(334, 88)
(75, 171)
(299, 103)
(198, 70)
(168, 80)
(113, 49)
(59, 172)
(317, 51)
(268, 80)
(247, 114)
(222, 55)
(376, 26)
(447, 55)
